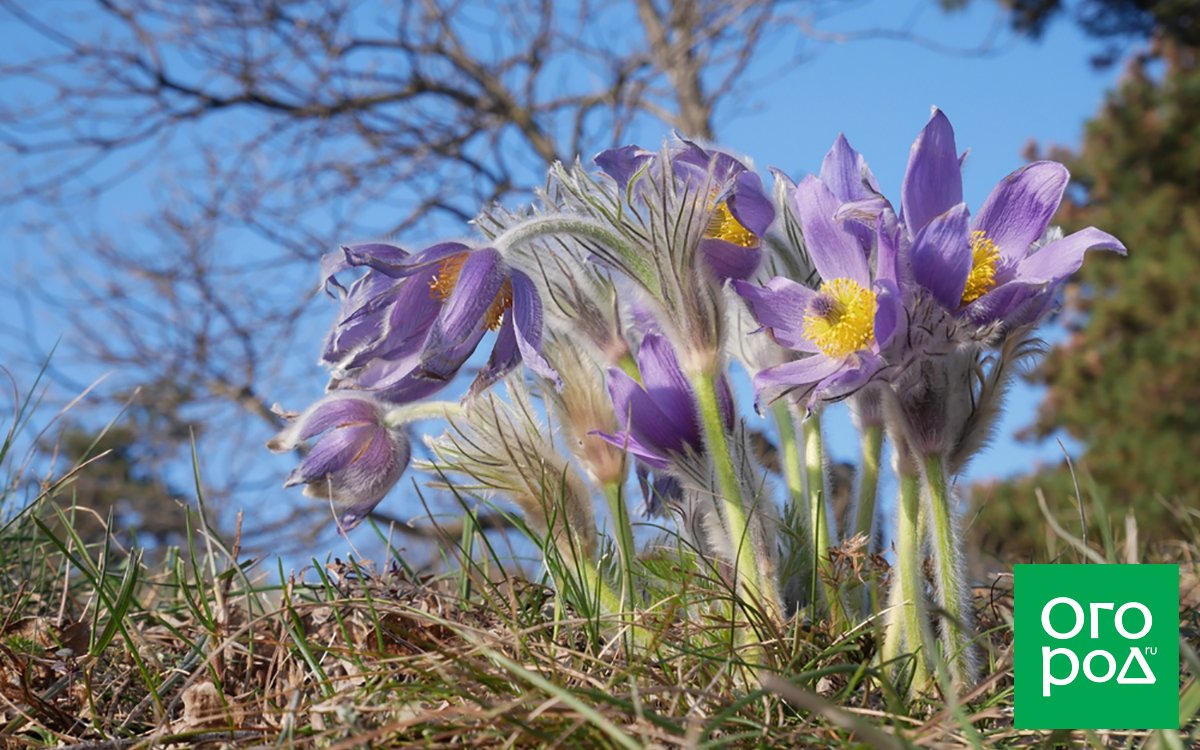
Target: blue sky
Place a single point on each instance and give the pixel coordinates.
(878, 91)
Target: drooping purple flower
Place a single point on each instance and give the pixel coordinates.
(658, 416)
(989, 268)
(413, 320)
(845, 324)
(736, 208)
(356, 459)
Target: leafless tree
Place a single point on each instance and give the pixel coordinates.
(250, 136)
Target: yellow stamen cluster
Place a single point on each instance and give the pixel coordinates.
(842, 320)
(724, 226)
(442, 285)
(984, 257)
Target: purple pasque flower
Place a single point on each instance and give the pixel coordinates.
(994, 267)
(845, 324)
(356, 459)
(658, 416)
(409, 324)
(737, 210)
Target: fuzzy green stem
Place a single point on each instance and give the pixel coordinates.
(794, 568)
(597, 587)
(632, 257)
(818, 510)
(820, 523)
(789, 452)
(401, 415)
(948, 568)
(907, 597)
(746, 572)
(791, 462)
(871, 441)
(623, 531)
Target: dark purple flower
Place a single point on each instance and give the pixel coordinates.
(355, 460)
(658, 416)
(661, 491)
(989, 268)
(845, 324)
(413, 320)
(737, 207)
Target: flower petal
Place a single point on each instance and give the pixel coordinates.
(1020, 208)
(332, 453)
(400, 383)
(479, 282)
(441, 362)
(667, 388)
(630, 444)
(835, 251)
(749, 203)
(729, 261)
(357, 492)
(799, 377)
(933, 179)
(889, 311)
(397, 263)
(396, 331)
(941, 257)
(505, 356)
(331, 411)
(779, 307)
(644, 418)
(845, 172)
(1014, 303)
(887, 246)
(1061, 258)
(527, 320)
(849, 381)
(622, 163)
(331, 265)
(519, 338)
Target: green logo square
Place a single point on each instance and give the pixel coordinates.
(1096, 646)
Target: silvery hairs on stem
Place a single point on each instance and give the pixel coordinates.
(654, 226)
(504, 448)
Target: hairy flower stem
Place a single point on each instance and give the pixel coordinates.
(597, 589)
(871, 441)
(795, 524)
(819, 520)
(948, 569)
(623, 531)
(761, 594)
(907, 598)
(402, 415)
(634, 258)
